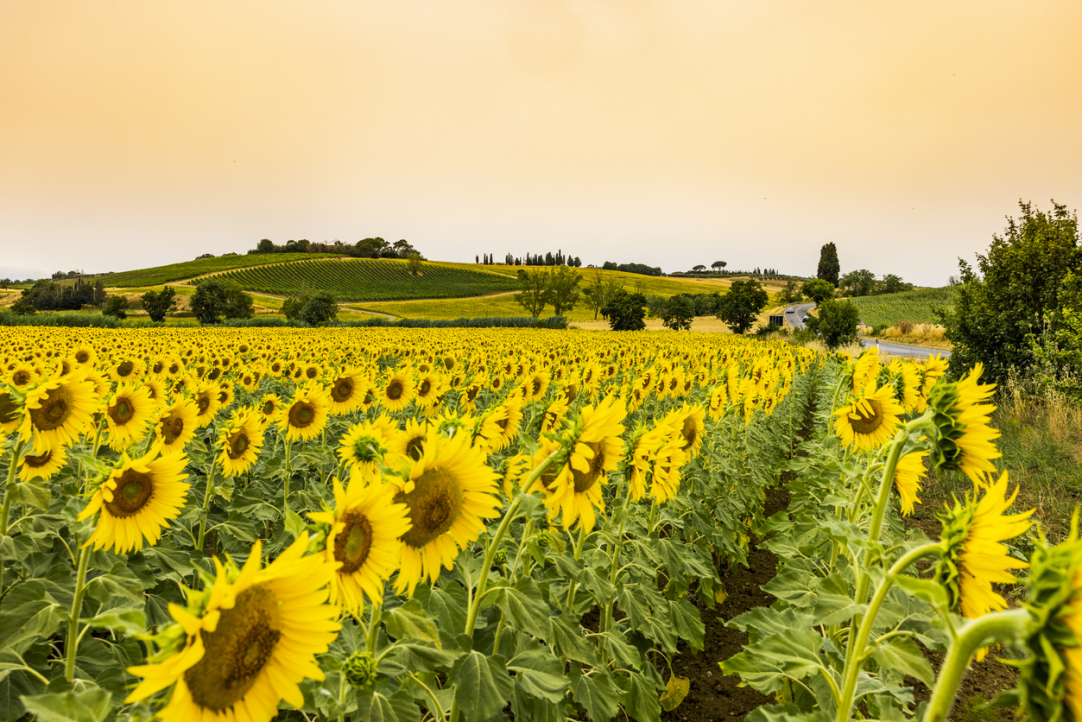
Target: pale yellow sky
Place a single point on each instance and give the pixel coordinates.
(670, 133)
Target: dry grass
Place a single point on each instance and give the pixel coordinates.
(928, 335)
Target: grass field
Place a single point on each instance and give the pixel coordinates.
(189, 269)
(915, 306)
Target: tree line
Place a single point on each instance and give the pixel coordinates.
(549, 259)
(364, 248)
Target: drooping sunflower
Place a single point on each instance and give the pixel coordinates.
(718, 399)
(870, 419)
(137, 501)
(907, 476)
(866, 368)
(57, 411)
(43, 466)
(687, 422)
(246, 643)
(975, 557)
(595, 448)
(306, 416)
(642, 450)
(668, 460)
(347, 392)
(963, 438)
(449, 491)
(127, 414)
(176, 426)
(365, 538)
(507, 417)
(240, 442)
(205, 395)
(398, 392)
(364, 447)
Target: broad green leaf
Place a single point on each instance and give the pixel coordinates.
(570, 642)
(132, 621)
(93, 705)
(903, 655)
(621, 652)
(295, 525)
(482, 686)
(27, 614)
(766, 621)
(374, 707)
(525, 608)
(685, 618)
(33, 493)
(676, 689)
(420, 656)
(925, 589)
(411, 622)
(539, 674)
(786, 713)
(597, 694)
(641, 699)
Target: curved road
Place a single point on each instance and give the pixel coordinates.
(800, 310)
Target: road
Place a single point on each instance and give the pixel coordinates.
(795, 320)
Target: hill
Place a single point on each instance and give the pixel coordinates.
(190, 269)
(915, 306)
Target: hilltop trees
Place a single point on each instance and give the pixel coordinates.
(858, 283)
(718, 265)
(829, 266)
(743, 302)
(600, 290)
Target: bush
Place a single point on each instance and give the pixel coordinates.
(215, 299)
(836, 324)
(742, 304)
(157, 304)
(679, 313)
(116, 306)
(625, 311)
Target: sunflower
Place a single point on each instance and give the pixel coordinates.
(907, 476)
(975, 557)
(398, 392)
(963, 439)
(306, 416)
(10, 413)
(156, 390)
(668, 460)
(870, 420)
(467, 399)
(271, 409)
(137, 500)
(428, 389)
(365, 539)
(21, 376)
(347, 392)
(43, 466)
(84, 355)
(642, 450)
(449, 491)
(595, 448)
(246, 643)
(127, 414)
(125, 370)
(553, 415)
(536, 385)
(507, 417)
(57, 411)
(206, 397)
(176, 426)
(866, 368)
(687, 422)
(718, 399)
(410, 442)
(240, 441)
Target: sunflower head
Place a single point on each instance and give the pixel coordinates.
(306, 416)
(870, 419)
(962, 439)
(57, 411)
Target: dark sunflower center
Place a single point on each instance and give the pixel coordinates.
(157, 367)
(236, 651)
(301, 414)
(342, 390)
(8, 410)
(415, 449)
(238, 444)
(268, 408)
(311, 372)
(121, 412)
(434, 504)
(133, 491)
(82, 357)
(223, 397)
(689, 432)
(214, 374)
(125, 368)
(471, 392)
(55, 409)
(203, 402)
(21, 377)
(425, 387)
(535, 386)
(36, 462)
(172, 428)
(583, 482)
(394, 390)
(868, 424)
(174, 369)
(353, 543)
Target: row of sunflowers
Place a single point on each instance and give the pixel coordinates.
(405, 525)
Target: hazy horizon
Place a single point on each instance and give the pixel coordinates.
(671, 134)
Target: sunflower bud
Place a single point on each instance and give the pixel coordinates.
(360, 669)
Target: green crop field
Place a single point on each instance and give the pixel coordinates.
(915, 306)
(189, 269)
(355, 279)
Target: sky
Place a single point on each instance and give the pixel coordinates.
(670, 133)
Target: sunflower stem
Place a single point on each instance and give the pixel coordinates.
(437, 710)
(855, 654)
(206, 504)
(372, 635)
(289, 473)
(982, 632)
(5, 509)
(76, 610)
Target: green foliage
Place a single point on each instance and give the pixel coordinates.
(159, 303)
(1014, 292)
(534, 295)
(836, 323)
(116, 306)
(916, 306)
(23, 307)
(413, 264)
(216, 298)
(679, 313)
(315, 309)
(860, 282)
(818, 290)
(739, 307)
(1057, 351)
(563, 283)
(625, 311)
(600, 290)
(792, 293)
(179, 271)
(356, 279)
(829, 266)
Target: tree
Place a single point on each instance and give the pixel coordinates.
(836, 324)
(818, 290)
(829, 267)
(413, 263)
(859, 283)
(743, 302)
(1015, 295)
(266, 245)
(5, 282)
(625, 311)
(216, 298)
(98, 295)
(699, 269)
(600, 290)
(370, 247)
(717, 266)
(563, 289)
(23, 307)
(894, 284)
(679, 313)
(116, 306)
(319, 309)
(791, 293)
(157, 304)
(534, 295)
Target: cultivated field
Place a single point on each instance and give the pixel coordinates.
(914, 306)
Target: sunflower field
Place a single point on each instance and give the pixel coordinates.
(451, 524)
